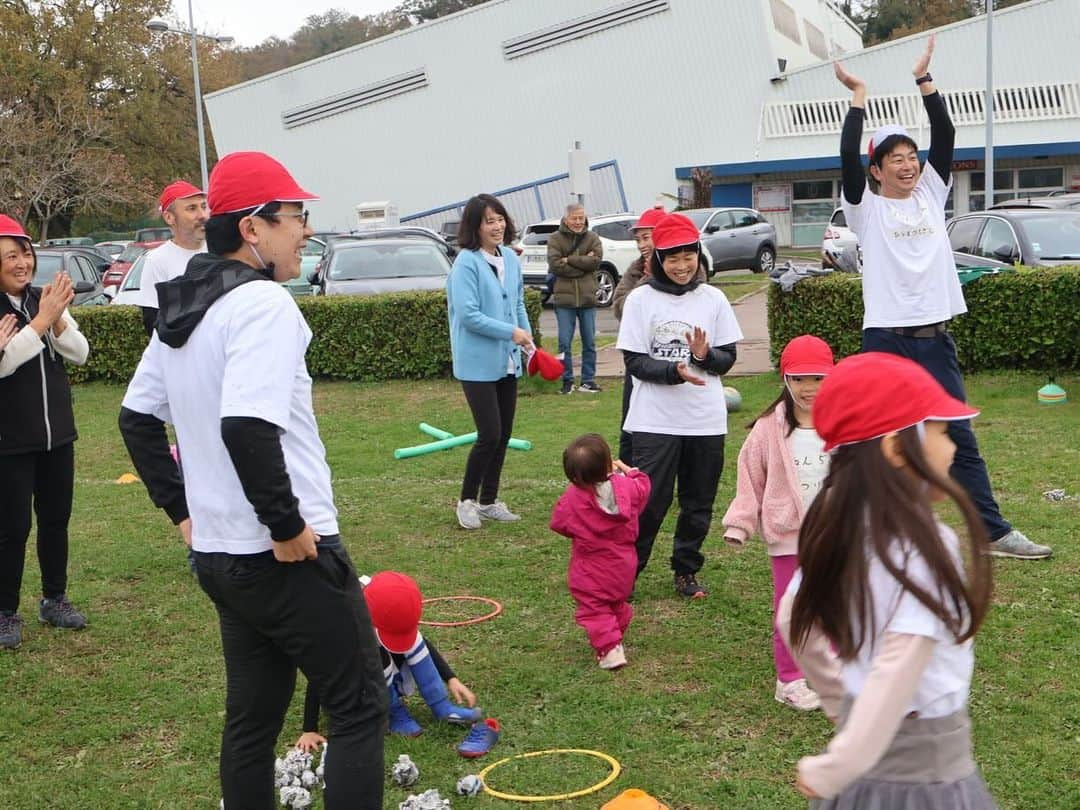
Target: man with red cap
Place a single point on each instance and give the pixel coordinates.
(255, 501)
(183, 207)
(910, 286)
(678, 337)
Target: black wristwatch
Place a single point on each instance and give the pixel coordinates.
(924, 79)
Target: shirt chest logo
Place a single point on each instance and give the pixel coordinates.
(668, 341)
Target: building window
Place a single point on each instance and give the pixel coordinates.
(815, 40)
(1010, 184)
(785, 21)
(812, 205)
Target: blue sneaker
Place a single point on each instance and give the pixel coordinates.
(458, 715)
(401, 722)
(481, 738)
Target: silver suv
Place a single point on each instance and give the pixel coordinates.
(736, 237)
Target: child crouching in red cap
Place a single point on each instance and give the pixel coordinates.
(894, 590)
(599, 512)
(409, 662)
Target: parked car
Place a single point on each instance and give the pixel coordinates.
(736, 238)
(407, 232)
(1007, 236)
(301, 287)
(80, 267)
(156, 234)
(387, 264)
(840, 248)
(125, 294)
(113, 248)
(620, 250)
(449, 231)
(68, 241)
(1063, 201)
(114, 275)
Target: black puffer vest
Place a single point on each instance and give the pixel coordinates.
(35, 400)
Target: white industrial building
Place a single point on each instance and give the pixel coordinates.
(492, 98)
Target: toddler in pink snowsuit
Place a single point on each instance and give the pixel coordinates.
(599, 513)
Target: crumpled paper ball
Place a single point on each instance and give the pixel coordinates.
(296, 797)
(469, 785)
(405, 773)
(1055, 495)
(428, 800)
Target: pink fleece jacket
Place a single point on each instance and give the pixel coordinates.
(603, 558)
(767, 493)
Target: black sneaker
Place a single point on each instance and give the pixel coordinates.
(10, 631)
(567, 387)
(688, 586)
(589, 387)
(59, 612)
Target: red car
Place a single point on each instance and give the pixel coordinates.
(118, 270)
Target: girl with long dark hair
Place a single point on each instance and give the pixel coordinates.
(894, 591)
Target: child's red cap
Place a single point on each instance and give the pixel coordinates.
(675, 230)
(546, 364)
(395, 604)
(648, 219)
(872, 394)
(806, 355)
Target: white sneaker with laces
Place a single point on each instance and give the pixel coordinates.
(798, 695)
(496, 511)
(468, 514)
(614, 658)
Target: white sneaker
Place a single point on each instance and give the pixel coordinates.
(496, 511)
(468, 514)
(798, 695)
(614, 658)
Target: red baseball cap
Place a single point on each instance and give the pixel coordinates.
(244, 180)
(807, 355)
(649, 217)
(178, 190)
(395, 604)
(883, 132)
(548, 365)
(873, 394)
(675, 230)
(12, 227)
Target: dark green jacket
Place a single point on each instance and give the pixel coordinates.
(575, 281)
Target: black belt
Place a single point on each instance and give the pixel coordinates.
(928, 331)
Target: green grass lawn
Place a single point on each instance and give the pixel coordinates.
(128, 713)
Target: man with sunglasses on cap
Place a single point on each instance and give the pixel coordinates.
(255, 500)
(184, 209)
(910, 286)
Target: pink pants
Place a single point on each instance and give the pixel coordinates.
(603, 621)
(783, 569)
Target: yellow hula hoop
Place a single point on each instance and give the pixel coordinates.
(616, 769)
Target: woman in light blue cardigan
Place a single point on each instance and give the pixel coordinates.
(488, 328)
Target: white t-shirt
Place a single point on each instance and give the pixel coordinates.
(811, 462)
(945, 683)
(909, 276)
(163, 263)
(656, 323)
(245, 358)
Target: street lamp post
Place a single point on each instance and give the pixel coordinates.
(160, 27)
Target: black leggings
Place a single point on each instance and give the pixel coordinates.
(492, 405)
(44, 480)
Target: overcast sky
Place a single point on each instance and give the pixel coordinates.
(249, 22)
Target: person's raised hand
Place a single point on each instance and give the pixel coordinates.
(460, 692)
(687, 375)
(922, 64)
(55, 298)
(699, 342)
(310, 741)
(849, 80)
(300, 548)
(622, 466)
(8, 329)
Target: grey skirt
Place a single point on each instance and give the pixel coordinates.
(928, 766)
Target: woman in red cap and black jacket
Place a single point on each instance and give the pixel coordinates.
(37, 431)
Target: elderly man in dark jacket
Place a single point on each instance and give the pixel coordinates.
(574, 254)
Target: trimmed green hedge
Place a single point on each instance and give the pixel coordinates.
(378, 337)
(1027, 319)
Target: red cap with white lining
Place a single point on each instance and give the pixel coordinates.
(11, 227)
(245, 180)
(178, 190)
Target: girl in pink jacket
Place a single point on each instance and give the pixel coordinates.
(781, 468)
(599, 513)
